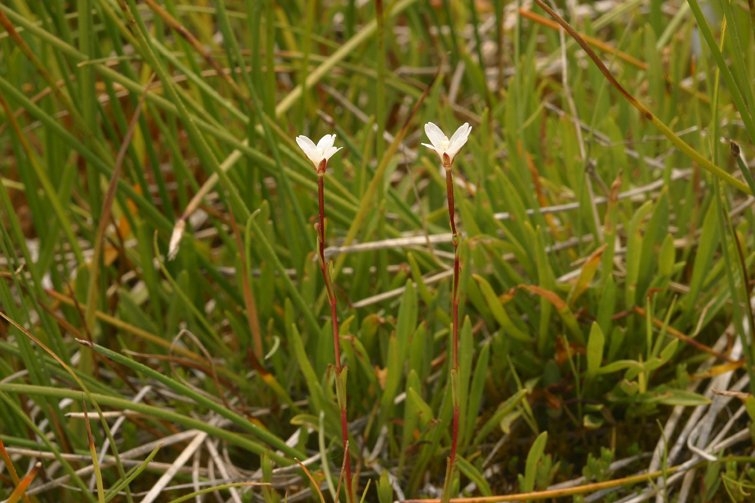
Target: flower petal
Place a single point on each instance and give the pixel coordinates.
(461, 131)
(436, 137)
(309, 148)
(459, 139)
(325, 146)
(326, 142)
(328, 152)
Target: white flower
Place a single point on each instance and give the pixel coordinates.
(323, 151)
(445, 148)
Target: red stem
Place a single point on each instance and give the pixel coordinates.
(450, 197)
(334, 322)
(457, 270)
(454, 313)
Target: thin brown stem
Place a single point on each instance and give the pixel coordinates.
(451, 204)
(454, 363)
(457, 269)
(339, 369)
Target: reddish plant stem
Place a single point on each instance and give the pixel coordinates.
(334, 324)
(457, 269)
(326, 272)
(454, 363)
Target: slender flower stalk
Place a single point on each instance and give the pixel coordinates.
(447, 149)
(319, 154)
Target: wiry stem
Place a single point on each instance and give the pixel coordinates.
(454, 363)
(457, 267)
(339, 369)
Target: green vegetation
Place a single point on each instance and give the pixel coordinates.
(606, 249)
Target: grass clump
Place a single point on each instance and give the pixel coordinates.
(601, 261)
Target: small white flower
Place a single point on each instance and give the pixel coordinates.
(445, 148)
(323, 151)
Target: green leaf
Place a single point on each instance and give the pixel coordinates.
(504, 414)
(384, 489)
(678, 397)
(586, 275)
(595, 343)
(499, 312)
(749, 402)
(475, 396)
(634, 253)
(475, 475)
(534, 460)
(618, 365)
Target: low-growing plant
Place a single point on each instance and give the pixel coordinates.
(172, 328)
